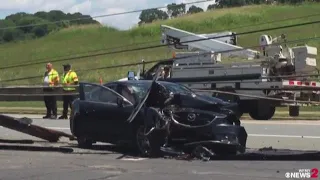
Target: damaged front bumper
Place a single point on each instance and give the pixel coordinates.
(218, 136)
(226, 139)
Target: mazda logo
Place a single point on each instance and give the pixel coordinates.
(191, 117)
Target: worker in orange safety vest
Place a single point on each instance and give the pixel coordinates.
(51, 79)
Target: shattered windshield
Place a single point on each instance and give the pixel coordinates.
(140, 89)
(177, 88)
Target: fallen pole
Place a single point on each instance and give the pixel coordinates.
(24, 125)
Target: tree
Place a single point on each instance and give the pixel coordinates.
(211, 7)
(39, 31)
(17, 16)
(78, 18)
(12, 34)
(28, 21)
(45, 19)
(258, 1)
(5, 23)
(175, 10)
(296, 1)
(194, 9)
(42, 14)
(150, 15)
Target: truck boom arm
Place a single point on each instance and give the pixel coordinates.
(178, 37)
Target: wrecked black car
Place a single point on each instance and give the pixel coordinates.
(155, 117)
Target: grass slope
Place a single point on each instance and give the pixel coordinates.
(80, 40)
(87, 38)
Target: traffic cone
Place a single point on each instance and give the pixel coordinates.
(100, 80)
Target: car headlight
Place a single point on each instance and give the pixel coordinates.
(226, 138)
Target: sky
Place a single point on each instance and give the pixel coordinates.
(91, 7)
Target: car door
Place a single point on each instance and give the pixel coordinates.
(126, 110)
(102, 110)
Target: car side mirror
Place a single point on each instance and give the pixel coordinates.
(120, 102)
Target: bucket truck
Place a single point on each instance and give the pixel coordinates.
(202, 68)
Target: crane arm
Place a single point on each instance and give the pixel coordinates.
(178, 37)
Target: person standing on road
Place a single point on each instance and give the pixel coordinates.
(69, 77)
(51, 79)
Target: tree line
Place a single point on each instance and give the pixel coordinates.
(175, 10)
(46, 19)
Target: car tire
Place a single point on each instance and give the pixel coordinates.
(84, 142)
(145, 146)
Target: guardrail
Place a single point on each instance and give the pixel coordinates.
(33, 93)
(36, 93)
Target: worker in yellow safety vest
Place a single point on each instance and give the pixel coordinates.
(69, 77)
(51, 79)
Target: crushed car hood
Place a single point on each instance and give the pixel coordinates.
(204, 102)
(198, 101)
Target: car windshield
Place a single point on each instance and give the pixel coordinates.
(140, 89)
(177, 88)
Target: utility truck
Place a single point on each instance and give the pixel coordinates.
(275, 71)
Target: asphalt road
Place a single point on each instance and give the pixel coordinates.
(104, 163)
(300, 135)
(21, 165)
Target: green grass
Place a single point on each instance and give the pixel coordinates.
(82, 39)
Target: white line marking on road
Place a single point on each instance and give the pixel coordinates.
(133, 159)
(58, 128)
(306, 123)
(283, 136)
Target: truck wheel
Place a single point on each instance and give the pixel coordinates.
(294, 111)
(262, 112)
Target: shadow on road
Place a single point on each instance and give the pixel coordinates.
(100, 149)
(35, 148)
(265, 154)
(23, 141)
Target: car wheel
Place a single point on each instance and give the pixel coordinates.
(84, 142)
(146, 147)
